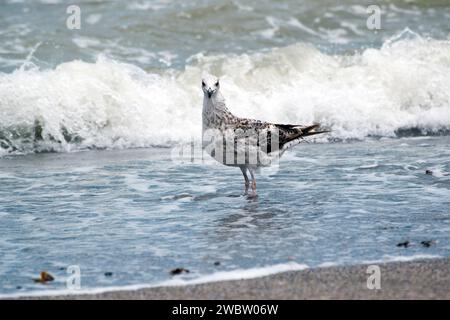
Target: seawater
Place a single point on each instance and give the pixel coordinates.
(89, 119)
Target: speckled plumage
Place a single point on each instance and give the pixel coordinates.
(266, 140)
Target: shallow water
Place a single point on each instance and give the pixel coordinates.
(138, 214)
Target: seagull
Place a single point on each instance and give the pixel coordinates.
(241, 142)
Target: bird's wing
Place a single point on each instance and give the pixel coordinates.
(262, 133)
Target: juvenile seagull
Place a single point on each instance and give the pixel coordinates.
(251, 143)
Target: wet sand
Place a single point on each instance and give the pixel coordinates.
(422, 279)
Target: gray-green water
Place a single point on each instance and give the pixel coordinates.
(159, 34)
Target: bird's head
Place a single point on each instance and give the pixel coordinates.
(210, 85)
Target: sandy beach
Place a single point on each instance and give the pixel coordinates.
(421, 279)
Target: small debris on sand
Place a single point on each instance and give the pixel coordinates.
(403, 244)
(427, 243)
(44, 277)
(178, 271)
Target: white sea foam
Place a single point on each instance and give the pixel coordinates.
(404, 84)
(93, 18)
(402, 258)
(146, 5)
(85, 42)
(239, 274)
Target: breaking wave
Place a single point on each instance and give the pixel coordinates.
(401, 88)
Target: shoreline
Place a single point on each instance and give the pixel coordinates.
(418, 279)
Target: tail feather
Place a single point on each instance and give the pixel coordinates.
(311, 133)
(294, 132)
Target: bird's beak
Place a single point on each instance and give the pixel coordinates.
(210, 92)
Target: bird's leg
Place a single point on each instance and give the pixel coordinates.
(247, 182)
(252, 174)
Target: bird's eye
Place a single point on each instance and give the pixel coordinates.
(203, 84)
(217, 83)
